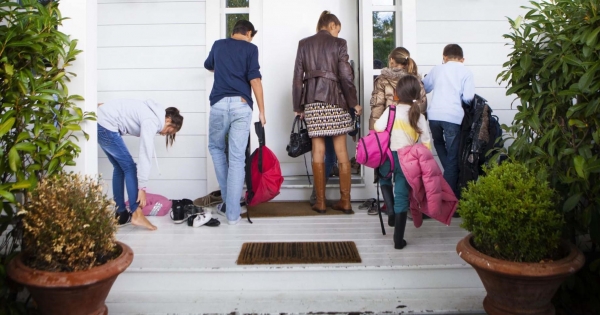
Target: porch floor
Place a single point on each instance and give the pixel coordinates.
(184, 270)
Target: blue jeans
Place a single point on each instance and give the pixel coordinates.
(230, 117)
(446, 140)
(124, 168)
(401, 187)
(330, 157)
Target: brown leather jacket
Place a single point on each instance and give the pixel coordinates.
(322, 73)
(383, 93)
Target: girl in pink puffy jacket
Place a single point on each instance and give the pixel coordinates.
(409, 126)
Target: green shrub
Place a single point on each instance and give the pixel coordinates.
(69, 224)
(554, 69)
(512, 214)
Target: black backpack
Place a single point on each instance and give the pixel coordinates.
(475, 143)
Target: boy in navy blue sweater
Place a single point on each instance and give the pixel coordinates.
(237, 73)
(452, 83)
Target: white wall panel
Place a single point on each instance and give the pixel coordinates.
(151, 35)
(151, 13)
(184, 147)
(185, 101)
(151, 57)
(188, 79)
(464, 10)
(155, 49)
(476, 54)
(445, 32)
(170, 169)
(190, 189)
(137, 1)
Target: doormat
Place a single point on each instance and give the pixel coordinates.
(298, 253)
(286, 209)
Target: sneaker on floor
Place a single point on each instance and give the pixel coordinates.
(123, 218)
(178, 213)
(222, 209)
(373, 211)
(234, 222)
(201, 219)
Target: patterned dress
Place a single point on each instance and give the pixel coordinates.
(326, 120)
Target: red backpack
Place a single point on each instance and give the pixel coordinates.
(263, 172)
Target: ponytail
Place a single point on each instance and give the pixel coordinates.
(176, 122)
(401, 56)
(408, 90)
(325, 19)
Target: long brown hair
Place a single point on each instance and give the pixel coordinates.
(401, 56)
(408, 90)
(326, 18)
(176, 122)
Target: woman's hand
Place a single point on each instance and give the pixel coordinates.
(141, 200)
(358, 110)
(301, 114)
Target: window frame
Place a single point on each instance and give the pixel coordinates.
(225, 11)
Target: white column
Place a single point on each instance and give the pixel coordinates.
(409, 26)
(82, 25)
(214, 18)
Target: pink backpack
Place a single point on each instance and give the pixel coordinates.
(374, 149)
(156, 205)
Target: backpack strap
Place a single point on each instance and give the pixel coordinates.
(391, 118)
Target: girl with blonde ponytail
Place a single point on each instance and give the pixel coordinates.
(409, 127)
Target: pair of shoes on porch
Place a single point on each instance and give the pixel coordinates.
(203, 219)
(370, 205)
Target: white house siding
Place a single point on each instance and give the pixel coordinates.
(155, 49)
(477, 26)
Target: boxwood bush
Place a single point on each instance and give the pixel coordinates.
(512, 214)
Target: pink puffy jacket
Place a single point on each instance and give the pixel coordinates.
(430, 193)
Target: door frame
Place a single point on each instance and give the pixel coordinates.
(406, 21)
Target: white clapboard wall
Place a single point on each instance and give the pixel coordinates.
(477, 26)
(155, 49)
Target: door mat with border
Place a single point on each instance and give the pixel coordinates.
(298, 253)
(286, 209)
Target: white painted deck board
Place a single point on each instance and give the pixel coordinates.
(177, 246)
(183, 270)
(424, 301)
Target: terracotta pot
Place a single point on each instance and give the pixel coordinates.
(520, 288)
(71, 293)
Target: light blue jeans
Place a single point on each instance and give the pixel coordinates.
(230, 117)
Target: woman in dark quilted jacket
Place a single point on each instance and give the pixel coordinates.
(323, 93)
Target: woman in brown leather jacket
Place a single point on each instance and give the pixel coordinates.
(324, 92)
(400, 65)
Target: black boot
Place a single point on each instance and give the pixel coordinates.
(388, 197)
(399, 242)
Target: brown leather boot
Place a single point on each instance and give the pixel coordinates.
(345, 183)
(319, 182)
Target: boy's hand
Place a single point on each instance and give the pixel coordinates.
(262, 118)
(358, 110)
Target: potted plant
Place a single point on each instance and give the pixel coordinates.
(70, 256)
(515, 243)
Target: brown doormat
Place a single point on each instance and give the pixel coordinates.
(298, 253)
(286, 209)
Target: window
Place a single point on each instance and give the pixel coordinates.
(384, 37)
(235, 10)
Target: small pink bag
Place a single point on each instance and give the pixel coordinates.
(373, 149)
(156, 205)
